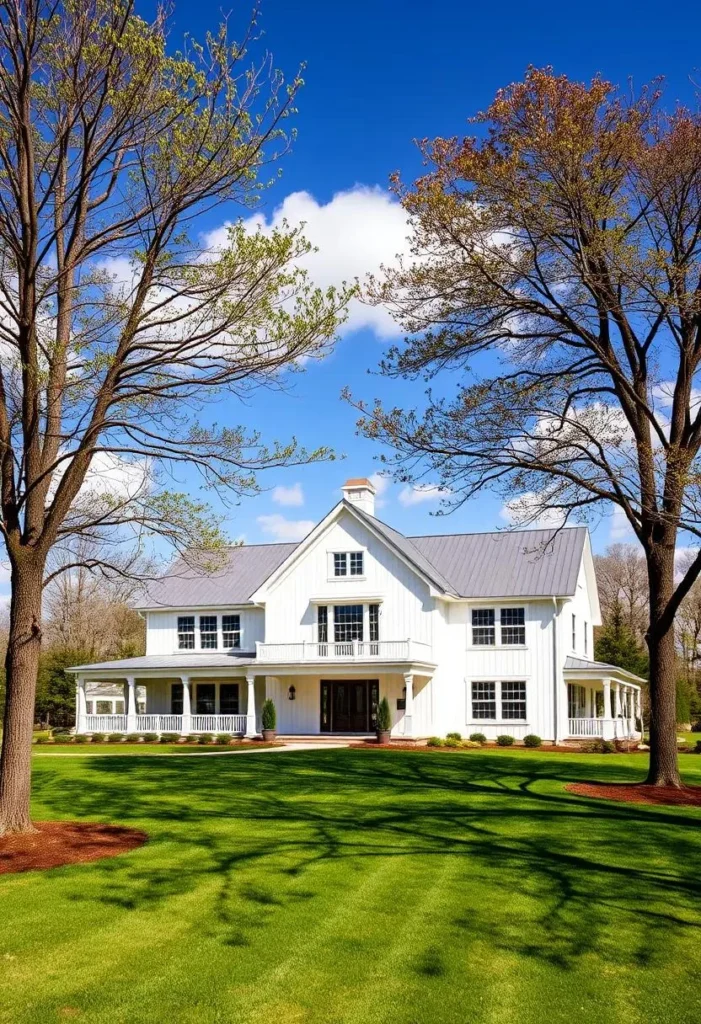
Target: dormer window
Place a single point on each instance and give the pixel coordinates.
(348, 563)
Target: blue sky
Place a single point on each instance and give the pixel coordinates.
(379, 74)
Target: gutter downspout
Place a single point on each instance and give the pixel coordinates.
(556, 678)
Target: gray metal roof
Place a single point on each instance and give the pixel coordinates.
(177, 662)
(514, 563)
(247, 566)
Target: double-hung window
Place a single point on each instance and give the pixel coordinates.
(208, 632)
(322, 624)
(483, 629)
(484, 700)
(374, 622)
(347, 623)
(508, 696)
(186, 632)
(348, 563)
(340, 564)
(356, 563)
(231, 631)
(513, 626)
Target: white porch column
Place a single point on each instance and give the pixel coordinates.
(187, 707)
(251, 731)
(409, 705)
(617, 700)
(607, 727)
(639, 708)
(131, 705)
(81, 706)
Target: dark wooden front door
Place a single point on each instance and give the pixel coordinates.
(349, 705)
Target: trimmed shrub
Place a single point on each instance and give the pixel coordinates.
(98, 737)
(223, 738)
(454, 736)
(170, 737)
(607, 747)
(42, 738)
(505, 741)
(451, 741)
(532, 740)
(81, 738)
(478, 737)
(133, 737)
(205, 738)
(151, 737)
(115, 737)
(435, 741)
(63, 738)
(384, 716)
(268, 716)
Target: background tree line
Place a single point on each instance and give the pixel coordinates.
(620, 640)
(86, 619)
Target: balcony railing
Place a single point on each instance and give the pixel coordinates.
(352, 650)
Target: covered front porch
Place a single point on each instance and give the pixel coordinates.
(603, 701)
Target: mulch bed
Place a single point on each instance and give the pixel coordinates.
(689, 796)
(56, 843)
(545, 748)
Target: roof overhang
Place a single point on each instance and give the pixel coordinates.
(574, 675)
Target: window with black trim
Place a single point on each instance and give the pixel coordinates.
(483, 631)
(322, 624)
(374, 621)
(513, 700)
(356, 563)
(176, 699)
(229, 699)
(513, 625)
(484, 700)
(208, 633)
(186, 632)
(340, 564)
(206, 699)
(347, 622)
(231, 631)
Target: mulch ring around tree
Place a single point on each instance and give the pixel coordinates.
(55, 843)
(688, 796)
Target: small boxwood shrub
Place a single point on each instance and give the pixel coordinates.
(451, 741)
(98, 737)
(133, 737)
(454, 736)
(478, 737)
(81, 738)
(42, 738)
(608, 747)
(505, 741)
(532, 740)
(205, 739)
(170, 737)
(151, 737)
(435, 741)
(63, 738)
(223, 738)
(115, 737)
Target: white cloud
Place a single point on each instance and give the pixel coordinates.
(524, 510)
(420, 493)
(293, 495)
(355, 233)
(280, 528)
(620, 529)
(380, 483)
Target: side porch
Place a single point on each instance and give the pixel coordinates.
(603, 701)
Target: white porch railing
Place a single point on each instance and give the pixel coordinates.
(105, 723)
(218, 723)
(606, 728)
(159, 723)
(586, 726)
(352, 650)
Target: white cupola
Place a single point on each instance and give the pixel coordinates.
(360, 492)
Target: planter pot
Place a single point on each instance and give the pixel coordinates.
(383, 737)
(269, 735)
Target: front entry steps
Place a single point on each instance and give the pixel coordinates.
(326, 737)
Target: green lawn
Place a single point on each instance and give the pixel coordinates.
(350, 886)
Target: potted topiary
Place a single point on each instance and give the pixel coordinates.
(268, 720)
(384, 721)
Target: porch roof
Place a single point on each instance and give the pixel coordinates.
(175, 663)
(583, 668)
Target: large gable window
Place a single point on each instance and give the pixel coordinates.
(186, 632)
(347, 622)
(348, 563)
(231, 631)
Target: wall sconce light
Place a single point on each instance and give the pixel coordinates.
(291, 693)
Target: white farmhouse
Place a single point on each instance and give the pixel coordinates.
(477, 632)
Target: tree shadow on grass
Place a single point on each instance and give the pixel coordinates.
(506, 822)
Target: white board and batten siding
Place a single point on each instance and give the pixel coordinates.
(405, 601)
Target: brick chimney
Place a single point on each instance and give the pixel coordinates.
(360, 492)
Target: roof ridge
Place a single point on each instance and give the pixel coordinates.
(490, 533)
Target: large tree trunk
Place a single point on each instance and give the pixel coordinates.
(22, 666)
(664, 769)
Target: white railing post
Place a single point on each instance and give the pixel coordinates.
(131, 704)
(409, 705)
(187, 707)
(81, 706)
(251, 731)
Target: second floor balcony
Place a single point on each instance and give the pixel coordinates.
(348, 650)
